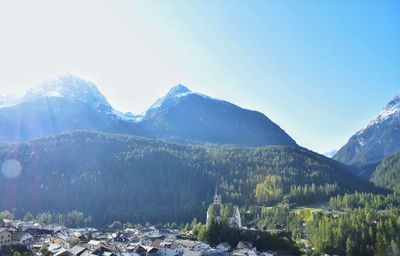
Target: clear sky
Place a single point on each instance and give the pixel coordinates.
(319, 69)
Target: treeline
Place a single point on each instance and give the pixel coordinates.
(72, 219)
(361, 231)
(365, 200)
(275, 188)
(312, 193)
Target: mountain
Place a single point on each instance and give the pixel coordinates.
(70, 103)
(387, 173)
(138, 179)
(379, 139)
(65, 104)
(183, 115)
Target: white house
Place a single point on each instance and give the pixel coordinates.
(5, 237)
(168, 248)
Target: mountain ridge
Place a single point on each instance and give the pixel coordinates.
(70, 103)
(375, 141)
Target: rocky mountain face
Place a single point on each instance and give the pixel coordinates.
(379, 139)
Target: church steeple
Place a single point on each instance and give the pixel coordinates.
(217, 197)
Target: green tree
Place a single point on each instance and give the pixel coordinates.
(45, 251)
(395, 248)
(28, 217)
(349, 246)
(6, 215)
(116, 225)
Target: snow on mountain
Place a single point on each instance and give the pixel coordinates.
(173, 95)
(390, 111)
(331, 153)
(378, 139)
(68, 86)
(128, 116)
(69, 103)
(9, 100)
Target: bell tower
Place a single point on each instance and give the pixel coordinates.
(217, 197)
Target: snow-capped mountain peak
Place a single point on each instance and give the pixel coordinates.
(177, 91)
(394, 103)
(71, 87)
(375, 141)
(174, 95)
(392, 109)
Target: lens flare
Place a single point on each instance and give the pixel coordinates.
(11, 168)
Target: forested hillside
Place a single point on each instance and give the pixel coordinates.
(367, 224)
(387, 173)
(136, 179)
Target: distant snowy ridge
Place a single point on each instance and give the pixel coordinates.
(331, 153)
(72, 87)
(392, 109)
(380, 138)
(69, 86)
(9, 100)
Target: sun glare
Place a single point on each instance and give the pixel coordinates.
(11, 168)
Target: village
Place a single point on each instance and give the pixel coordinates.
(34, 238)
(37, 239)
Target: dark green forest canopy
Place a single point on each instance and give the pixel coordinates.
(136, 179)
(387, 173)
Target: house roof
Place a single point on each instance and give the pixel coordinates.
(3, 230)
(77, 250)
(152, 250)
(224, 244)
(244, 252)
(58, 241)
(244, 245)
(62, 252)
(174, 245)
(157, 243)
(192, 253)
(86, 253)
(94, 242)
(187, 243)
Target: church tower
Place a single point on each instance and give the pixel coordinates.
(215, 208)
(217, 197)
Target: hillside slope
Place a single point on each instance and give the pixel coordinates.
(387, 173)
(130, 178)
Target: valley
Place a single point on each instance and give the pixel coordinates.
(76, 162)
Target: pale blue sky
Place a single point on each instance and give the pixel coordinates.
(319, 69)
